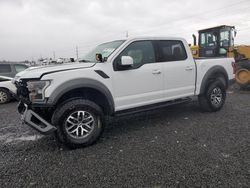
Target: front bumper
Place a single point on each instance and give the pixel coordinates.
(32, 119)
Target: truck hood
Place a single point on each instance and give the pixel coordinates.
(38, 72)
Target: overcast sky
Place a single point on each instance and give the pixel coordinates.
(35, 28)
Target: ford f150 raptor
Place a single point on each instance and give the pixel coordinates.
(117, 78)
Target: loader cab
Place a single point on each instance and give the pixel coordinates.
(217, 41)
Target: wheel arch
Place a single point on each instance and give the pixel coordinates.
(212, 74)
(4, 88)
(80, 88)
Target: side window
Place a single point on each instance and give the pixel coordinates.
(224, 38)
(208, 39)
(232, 34)
(203, 40)
(20, 68)
(211, 39)
(5, 68)
(142, 52)
(171, 50)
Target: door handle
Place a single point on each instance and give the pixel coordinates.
(188, 68)
(156, 72)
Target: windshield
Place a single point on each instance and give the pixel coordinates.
(106, 49)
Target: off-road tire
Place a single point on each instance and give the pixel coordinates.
(207, 99)
(64, 111)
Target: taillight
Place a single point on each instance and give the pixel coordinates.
(234, 67)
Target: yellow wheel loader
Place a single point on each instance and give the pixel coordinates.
(219, 42)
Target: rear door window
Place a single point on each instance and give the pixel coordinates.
(170, 50)
(5, 68)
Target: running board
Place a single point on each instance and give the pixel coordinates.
(151, 107)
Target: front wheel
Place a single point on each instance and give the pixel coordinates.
(214, 97)
(79, 123)
(4, 96)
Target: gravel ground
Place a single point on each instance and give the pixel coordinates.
(178, 146)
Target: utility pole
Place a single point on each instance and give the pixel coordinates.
(54, 55)
(126, 34)
(77, 53)
(32, 60)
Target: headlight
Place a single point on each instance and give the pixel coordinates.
(36, 90)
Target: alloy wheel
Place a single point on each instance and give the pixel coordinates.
(216, 96)
(3, 97)
(79, 124)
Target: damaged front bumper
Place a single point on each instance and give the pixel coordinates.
(32, 119)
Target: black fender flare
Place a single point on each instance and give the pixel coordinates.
(9, 91)
(210, 74)
(81, 83)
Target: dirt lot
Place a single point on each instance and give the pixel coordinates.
(177, 146)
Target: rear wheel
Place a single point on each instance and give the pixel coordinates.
(79, 123)
(243, 74)
(214, 97)
(243, 77)
(4, 96)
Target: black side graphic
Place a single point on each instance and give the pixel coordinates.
(102, 74)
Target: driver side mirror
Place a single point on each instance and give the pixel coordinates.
(127, 61)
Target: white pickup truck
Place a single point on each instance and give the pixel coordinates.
(118, 78)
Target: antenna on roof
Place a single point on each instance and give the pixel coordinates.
(126, 34)
(77, 53)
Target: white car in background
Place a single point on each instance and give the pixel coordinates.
(6, 89)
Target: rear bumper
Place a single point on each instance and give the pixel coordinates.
(32, 119)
